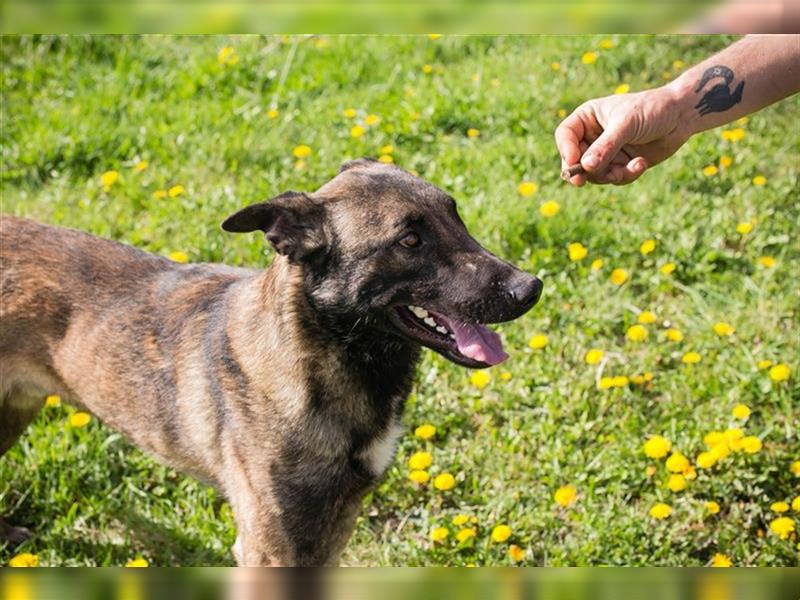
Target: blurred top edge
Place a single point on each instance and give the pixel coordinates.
(400, 16)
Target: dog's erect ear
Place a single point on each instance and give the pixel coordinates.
(292, 223)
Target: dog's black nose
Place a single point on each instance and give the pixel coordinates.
(525, 289)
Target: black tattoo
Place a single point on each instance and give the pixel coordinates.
(719, 98)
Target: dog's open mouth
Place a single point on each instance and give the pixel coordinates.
(468, 344)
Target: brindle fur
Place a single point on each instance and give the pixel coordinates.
(278, 387)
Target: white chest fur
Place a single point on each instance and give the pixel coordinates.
(380, 452)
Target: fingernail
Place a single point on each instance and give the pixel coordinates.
(590, 161)
(638, 166)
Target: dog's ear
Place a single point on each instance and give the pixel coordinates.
(292, 222)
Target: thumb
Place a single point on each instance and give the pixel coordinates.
(598, 156)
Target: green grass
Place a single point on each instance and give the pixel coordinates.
(76, 107)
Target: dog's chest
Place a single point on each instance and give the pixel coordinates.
(379, 452)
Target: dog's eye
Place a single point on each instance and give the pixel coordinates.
(411, 240)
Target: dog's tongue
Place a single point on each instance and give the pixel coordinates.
(477, 342)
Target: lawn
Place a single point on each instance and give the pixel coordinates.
(196, 127)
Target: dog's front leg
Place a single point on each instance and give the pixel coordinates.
(260, 539)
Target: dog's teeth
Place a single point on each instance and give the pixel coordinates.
(429, 321)
(441, 329)
(453, 335)
(420, 313)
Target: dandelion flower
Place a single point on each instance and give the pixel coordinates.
(137, 563)
(349, 113)
(780, 372)
(425, 431)
(538, 341)
(766, 261)
(561, 112)
(419, 476)
(744, 227)
(420, 460)
(597, 264)
(678, 64)
(434, 36)
(53, 401)
(619, 381)
(710, 171)
(796, 504)
(160, 194)
(372, 119)
(733, 135)
(386, 158)
(356, 131)
(712, 438)
(527, 189)
(759, 180)
(480, 379)
(505, 376)
(623, 88)
(782, 527)
(515, 553)
(712, 507)
(549, 208)
(140, 166)
(79, 419)
(650, 471)
(677, 463)
(779, 507)
(657, 447)
(555, 66)
(741, 411)
(674, 335)
(689, 473)
(593, 356)
(606, 44)
(444, 482)
(439, 535)
(605, 383)
(647, 247)
(660, 511)
(751, 444)
(720, 560)
(794, 468)
(25, 559)
(460, 520)
(175, 191)
(466, 534)
(388, 149)
(565, 495)
(691, 358)
(272, 113)
(721, 450)
(227, 56)
(619, 276)
(301, 151)
(108, 179)
(636, 333)
(472, 132)
(501, 533)
(179, 256)
(646, 317)
(764, 364)
(427, 69)
(577, 251)
(667, 268)
(589, 58)
(725, 161)
(706, 460)
(676, 483)
(723, 329)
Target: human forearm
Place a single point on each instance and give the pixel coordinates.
(745, 77)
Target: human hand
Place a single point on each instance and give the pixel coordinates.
(617, 137)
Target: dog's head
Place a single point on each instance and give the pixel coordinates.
(382, 248)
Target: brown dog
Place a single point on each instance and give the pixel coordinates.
(283, 388)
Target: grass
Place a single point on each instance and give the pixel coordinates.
(74, 108)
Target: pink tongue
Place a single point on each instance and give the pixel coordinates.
(476, 341)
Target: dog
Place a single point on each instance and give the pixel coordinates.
(282, 388)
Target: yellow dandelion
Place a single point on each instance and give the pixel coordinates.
(623, 88)
(372, 119)
(780, 372)
(427, 69)
(646, 317)
(480, 379)
(565, 495)
(576, 251)
(561, 112)
(712, 507)
(555, 66)
(667, 268)
(179, 256)
(676, 483)
(549, 208)
(782, 527)
(349, 113)
(619, 276)
(79, 419)
(527, 189)
(419, 461)
(227, 56)
(779, 507)
(388, 149)
(386, 158)
(690, 473)
(674, 335)
(272, 113)
(589, 58)
(419, 476)
(593, 356)
(794, 468)
(356, 131)
(425, 431)
(460, 520)
(439, 535)
(26, 559)
(712, 438)
(175, 191)
(515, 553)
(720, 560)
(751, 444)
(636, 333)
(434, 36)
(710, 170)
(650, 471)
(606, 44)
(677, 463)
(299, 165)
(505, 376)
(741, 411)
(764, 364)
(501, 533)
(597, 264)
(759, 180)
(733, 135)
(538, 341)
(660, 511)
(160, 194)
(691, 358)
(796, 504)
(766, 261)
(444, 482)
(706, 460)
(657, 447)
(647, 247)
(137, 563)
(53, 401)
(619, 381)
(744, 228)
(678, 64)
(725, 161)
(722, 450)
(472, 132)
(140, 166)
(301, 151)
(466, 534)
(605, 383)
(108, 179)
(723, 329)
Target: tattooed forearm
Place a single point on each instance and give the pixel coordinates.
(719, 98)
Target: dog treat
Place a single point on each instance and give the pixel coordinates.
(572, 170)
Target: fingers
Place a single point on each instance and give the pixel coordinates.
(569, 135)
(622, 174)
(605, 148)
